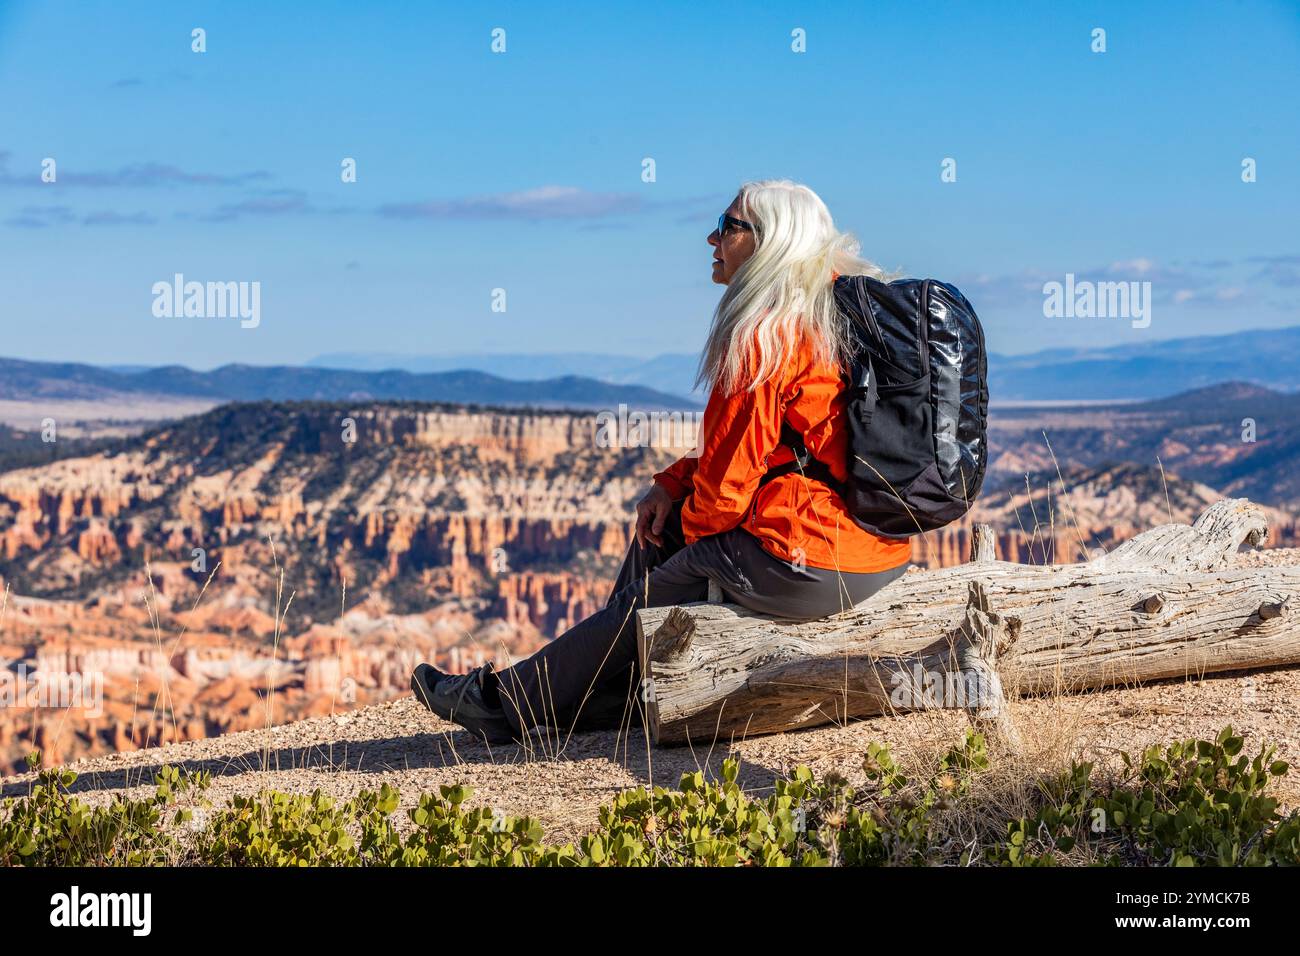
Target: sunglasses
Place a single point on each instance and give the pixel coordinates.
(724, 221)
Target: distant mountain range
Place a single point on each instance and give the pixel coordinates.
(672, 372)
(1268, 358)
(25, 381)
(1265, 357)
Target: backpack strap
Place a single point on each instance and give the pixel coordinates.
(804, 463)
(862, 380)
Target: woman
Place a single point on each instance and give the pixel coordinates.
(786, 547)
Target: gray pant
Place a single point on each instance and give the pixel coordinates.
(587, 677)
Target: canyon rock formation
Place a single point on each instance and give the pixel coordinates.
(267, 561)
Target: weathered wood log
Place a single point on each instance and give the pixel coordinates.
(1167, 603)
(983, 544)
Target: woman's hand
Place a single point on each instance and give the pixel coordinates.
(651, 513)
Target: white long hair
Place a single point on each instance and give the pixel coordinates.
(783, 292)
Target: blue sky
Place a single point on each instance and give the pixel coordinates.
(522, 170)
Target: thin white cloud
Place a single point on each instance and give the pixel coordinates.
(133, 176)
(544, 202)
(43, 217)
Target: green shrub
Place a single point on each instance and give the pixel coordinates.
(1189, 803)
(446, 834)
(279, 829)
(50, 827)
(706, 824)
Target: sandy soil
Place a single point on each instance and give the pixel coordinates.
(563, 782)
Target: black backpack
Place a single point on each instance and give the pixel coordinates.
(917, 408)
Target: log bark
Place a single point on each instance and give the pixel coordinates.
(1168, 603)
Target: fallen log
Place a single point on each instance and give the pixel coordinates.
(1167, 603)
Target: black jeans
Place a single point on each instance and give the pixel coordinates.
(587, 678)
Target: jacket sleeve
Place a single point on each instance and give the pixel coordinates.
(676, 478)
(738, 433)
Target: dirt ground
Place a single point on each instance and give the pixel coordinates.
(563, 782)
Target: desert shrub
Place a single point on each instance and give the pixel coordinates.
(51, 827)
(893, 821)
(1189, 803)
(280, 829)
(706, 824)
(447, 834)
(805, 822)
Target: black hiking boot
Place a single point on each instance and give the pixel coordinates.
(459, 698)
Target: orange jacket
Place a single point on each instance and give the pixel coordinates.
(792, 516)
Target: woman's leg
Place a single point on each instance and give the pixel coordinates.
(783, 589)
(582, 679)
(639, 561)
(586, 676)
